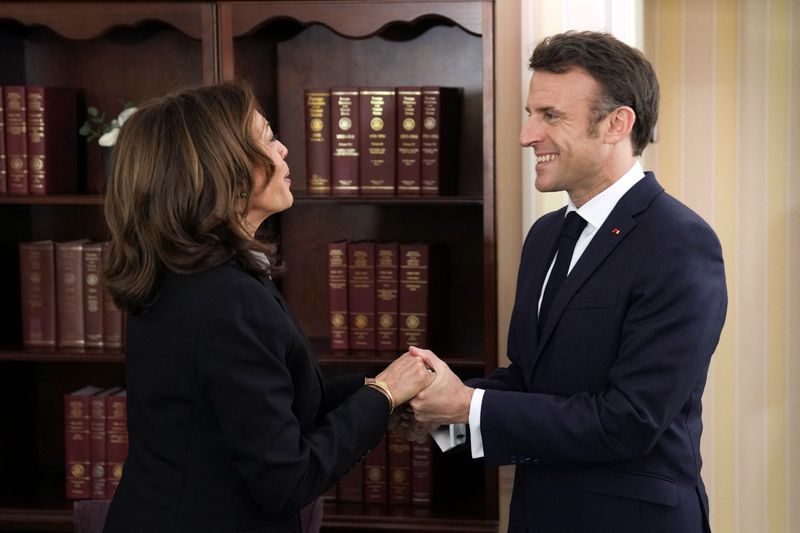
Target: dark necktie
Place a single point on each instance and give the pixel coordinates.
(570, 231)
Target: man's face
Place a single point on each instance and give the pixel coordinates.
(568, 156)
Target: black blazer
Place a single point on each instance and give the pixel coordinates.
(602, 414)
(231, 425)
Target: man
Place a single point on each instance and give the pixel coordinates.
(600, 408)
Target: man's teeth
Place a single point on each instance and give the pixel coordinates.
(545, 158)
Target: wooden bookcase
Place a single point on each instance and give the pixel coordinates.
(117, 51)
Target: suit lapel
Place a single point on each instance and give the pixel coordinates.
(619, 224)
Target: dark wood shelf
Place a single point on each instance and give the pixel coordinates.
(388, 200)
(21, 519)
(62, 355)
(52, 199)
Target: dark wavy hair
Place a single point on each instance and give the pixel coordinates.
(625, 76)
(182, 174)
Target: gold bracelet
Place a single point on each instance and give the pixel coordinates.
(384, 388)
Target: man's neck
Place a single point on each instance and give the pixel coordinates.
(615, 168)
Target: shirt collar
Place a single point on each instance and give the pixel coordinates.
(596, 210)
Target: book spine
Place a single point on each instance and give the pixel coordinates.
(77, 443)
(116, 439)
(399, 459)
(97, 446)
(3, 161)
(378, 147)
(318, 142)
(421, 459)
(37, 287)
(441, 120)
(69, 294)
(16, 139)
(337, 292)
(375, 485)
(351, 485)
(413, 297)
(52, 139)
(93, 295)
(112, 316)
(409, 112)
(386, 288)
(361, 294)
(344, 142)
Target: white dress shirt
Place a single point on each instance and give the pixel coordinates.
(595, 212)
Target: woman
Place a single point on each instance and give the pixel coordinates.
(231, 425)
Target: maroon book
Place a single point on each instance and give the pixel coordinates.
(439, 140)
(14, 102)
(361, 294)
(97, 441)
(351, 485)
(69, 294)
(116, 439)
(399, 460)
(386, 284)
(409, 113)
(421, 459)
(344, 142)
(378, 142)
(112, 316)
(52, 125)
(337, 295)
(318, 142)
(93, 295)
(414, 294)
(38, 291)
(375, 485)
(3, 174)
(77, 441)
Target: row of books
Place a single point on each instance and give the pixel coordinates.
(38, 139)
(382, 141)
(95, 441)
(397, 472)
(380, 296)
(64, 302)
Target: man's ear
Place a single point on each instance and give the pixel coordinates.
(620, 124)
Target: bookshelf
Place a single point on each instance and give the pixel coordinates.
(282, 47)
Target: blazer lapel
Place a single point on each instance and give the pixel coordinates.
(620, 222)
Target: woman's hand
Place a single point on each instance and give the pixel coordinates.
(406, 377)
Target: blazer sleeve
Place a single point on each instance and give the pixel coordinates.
(672, 324)
(242, 369)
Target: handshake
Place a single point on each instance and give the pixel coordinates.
(425, 393)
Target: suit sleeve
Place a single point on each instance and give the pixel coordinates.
(243, 375)
(674, 317)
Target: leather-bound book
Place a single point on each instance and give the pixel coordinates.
(3, 174)
(344, 142)
(14, 102)
(351, 485)
(116, 439)
(93, 298)
(421, 472)
(69, 294)
(378, 143)
(52, 126)
(318, 142)
(399, 460)
(361, 294)
(337, 295)
(97, 442)
(441, 124)
(38, 291)
(409, 113)
(386, 283)
(375, 485)
(77, 441)
(112, 316)
(414, 294)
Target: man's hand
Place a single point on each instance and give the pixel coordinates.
(447, 399)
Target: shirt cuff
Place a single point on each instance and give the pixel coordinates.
(476, 439)
(448, 437)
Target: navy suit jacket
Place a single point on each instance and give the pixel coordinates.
(602, 414)
(232, 427)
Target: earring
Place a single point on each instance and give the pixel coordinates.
(243, 194)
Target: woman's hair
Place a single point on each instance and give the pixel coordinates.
(182, 173)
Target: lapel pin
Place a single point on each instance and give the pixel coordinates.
(615, 231)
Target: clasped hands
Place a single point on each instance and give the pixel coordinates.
(427, 392)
